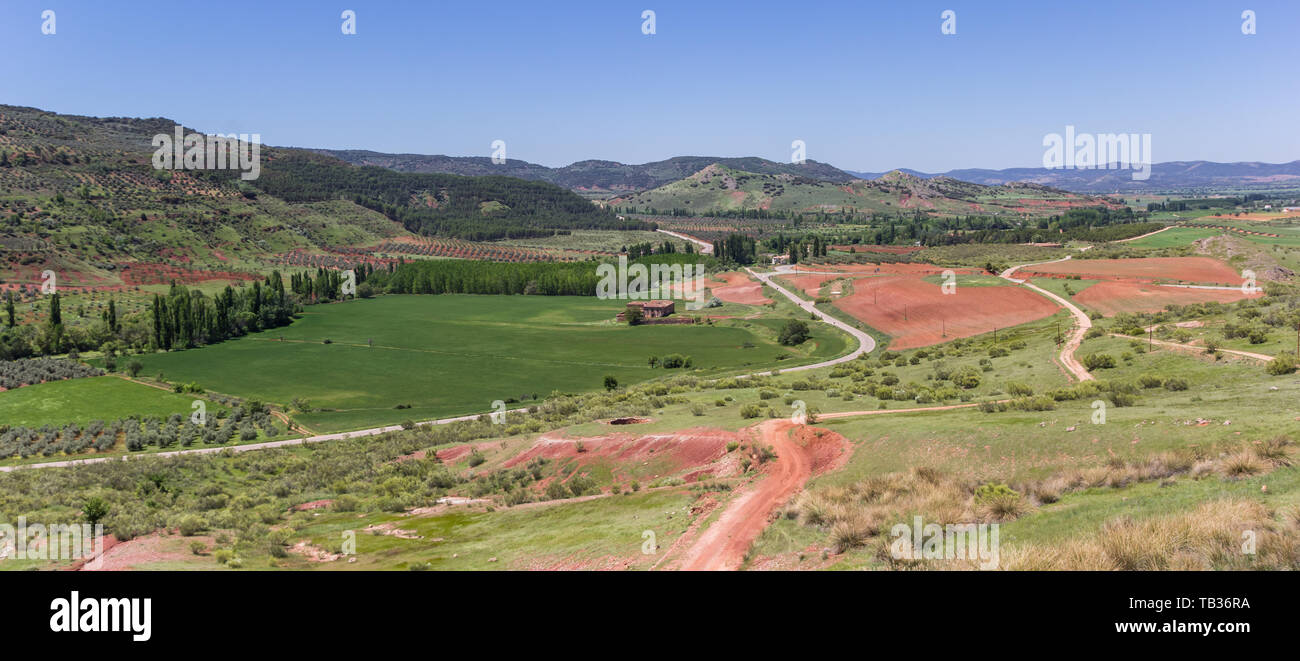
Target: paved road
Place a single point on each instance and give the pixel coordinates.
(866, 343)
(1083, 322)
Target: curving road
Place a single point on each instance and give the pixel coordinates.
(706, 248)
(866, 343)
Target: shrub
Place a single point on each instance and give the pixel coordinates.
(94, 510)
(966, 378)
(794, 332)
(1019, 389)
(1150, 381)
(751, 411)
(1096, 361)
(191, 525)
(1121, 399)
(1284, 363)
(1175, 383)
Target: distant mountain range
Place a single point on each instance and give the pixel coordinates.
(610, 177)
(1175, 175)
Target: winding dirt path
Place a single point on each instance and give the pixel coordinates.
(1082, 321)
(724, 543)
(706, 248)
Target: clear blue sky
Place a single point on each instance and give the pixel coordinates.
(867, 85)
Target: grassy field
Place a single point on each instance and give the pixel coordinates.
(1178, 236)
(1234, 401)
(104, 398)
(457, 354)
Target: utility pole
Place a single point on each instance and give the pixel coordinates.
(1151, 339)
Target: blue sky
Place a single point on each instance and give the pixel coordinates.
(867, 85)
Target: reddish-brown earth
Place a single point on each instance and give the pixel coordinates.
(740, 288)
(1111, 298)
(801, 452)
(916, 313)
(662, 453)
(1204, 270)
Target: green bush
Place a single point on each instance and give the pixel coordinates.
(191, 525)
(1019, 389)
(1284, 363)
(1096, 361)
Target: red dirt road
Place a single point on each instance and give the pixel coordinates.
(917, 313)
(724, 543)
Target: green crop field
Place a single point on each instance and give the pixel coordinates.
(457, 354)
(1178, 236)
(80, 401)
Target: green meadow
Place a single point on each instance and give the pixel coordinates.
(353, 363)
(80, 401)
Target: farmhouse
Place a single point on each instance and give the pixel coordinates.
(650, 309)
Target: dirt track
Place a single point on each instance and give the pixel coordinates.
(723, 544)
(1081, 328)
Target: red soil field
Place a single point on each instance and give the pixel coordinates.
(740, 288)
(916, 313)
(698, 448)
(1111, 298)
(1187, 269)
(812, 282)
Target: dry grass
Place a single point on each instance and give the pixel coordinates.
(860, 514)
(1209, 537)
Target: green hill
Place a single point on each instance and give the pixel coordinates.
(81, 196)
(718, 188)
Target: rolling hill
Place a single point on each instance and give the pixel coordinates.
(80, 196)
(593, 176)
(719, 188)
